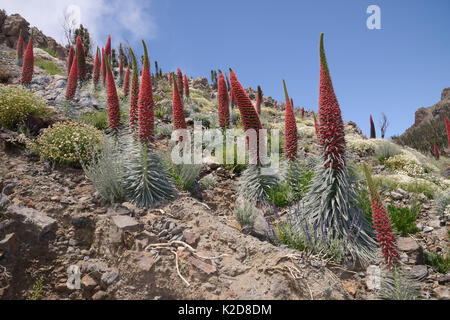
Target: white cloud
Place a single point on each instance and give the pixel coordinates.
(123, 20)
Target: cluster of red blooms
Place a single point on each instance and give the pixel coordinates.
(179, 120)
(126, 82)
(186, 86)
(436, 152)
(72, 81)
(97, 66)
(180, 82)
(146, 119)
(223, 100)
(290, 129)
(20, 47)
(28, 63)
(103, 66)
(113, 99)
(70, 59)
(373, 134)
(331, 129)
(81, 60)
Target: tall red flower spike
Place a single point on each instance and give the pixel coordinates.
(447, 125)
(28, 63)
(382, 224)
(290, 130)
(303, 113)
(259, 97)
(97, 66)
(224, 102)
(134, 99)
(113, 99)
(121, 68)
(146, 111)
(316, 125)
(108, 46)
(332, 136)
(81, 60)
(179, 120)
(70, 60)
(373, 134)
(292, 103)
(103, 66)
(249, 116)
(436, 152)
(72, 81)
(180, 82)
(186, 86)
(20, 47)
(126, 83)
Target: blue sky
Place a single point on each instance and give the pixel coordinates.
(395, 70)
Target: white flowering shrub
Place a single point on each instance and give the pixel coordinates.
(67, 142)
(362, 147)
(404, 163)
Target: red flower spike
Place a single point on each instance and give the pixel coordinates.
(121, 68)
(108, 46)
(436, 152)
(146, 118)
(126, 83)
(20, 47)
(186, 86)
(447, 125)
(103, 66)
(134, 99)
(81, 60)
(70, 60)
(373, 134)
(224, 103)
(28, 63)
(332, 136)
(290, 130)
(113, 99)
(179, 120)
(382, 224)
(259, 98)
(303, 113)
(96, 76)
(72, 81)
(180, 82)
(249, 116)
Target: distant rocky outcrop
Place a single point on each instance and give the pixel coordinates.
(429, 127)
(10, 27)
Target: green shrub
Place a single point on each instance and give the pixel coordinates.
(97, 119)
(67, 143)
(244, 213)
(208, 182)
(185, 175)
(404, 219)
(281, 195)
(386, 150)
(50, 52)
(443, 202)
(36, 292)
(48, 66)
(438, 262)
(16, 103)
(5, 75)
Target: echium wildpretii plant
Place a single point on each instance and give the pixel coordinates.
(332, 202)
(20, 46)
(97, 66)
(113, 100)
(134, 98)
(223, 103)
(28, 63)
(257, 181)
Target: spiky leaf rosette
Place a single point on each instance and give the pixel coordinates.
(134, 99)
(332, 207)
(385, 234)
(113, 100)
(396, 284)
(259, 97)
(96, 76)
(81, 60)
(180, 82)
(332, 137)
(103, 66)
(447, 126)
(108, 47)
(146, 119)
(72, 81)
(179, 120)
(70, 60)
(28, 63)
(255, 185)
(223, 99)
(250, 118)
(20, 50)
(436, 152)
(290, 130)
(146, 180)
(126, 82)
(186, 86)
(373, 133)
(294, 173)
